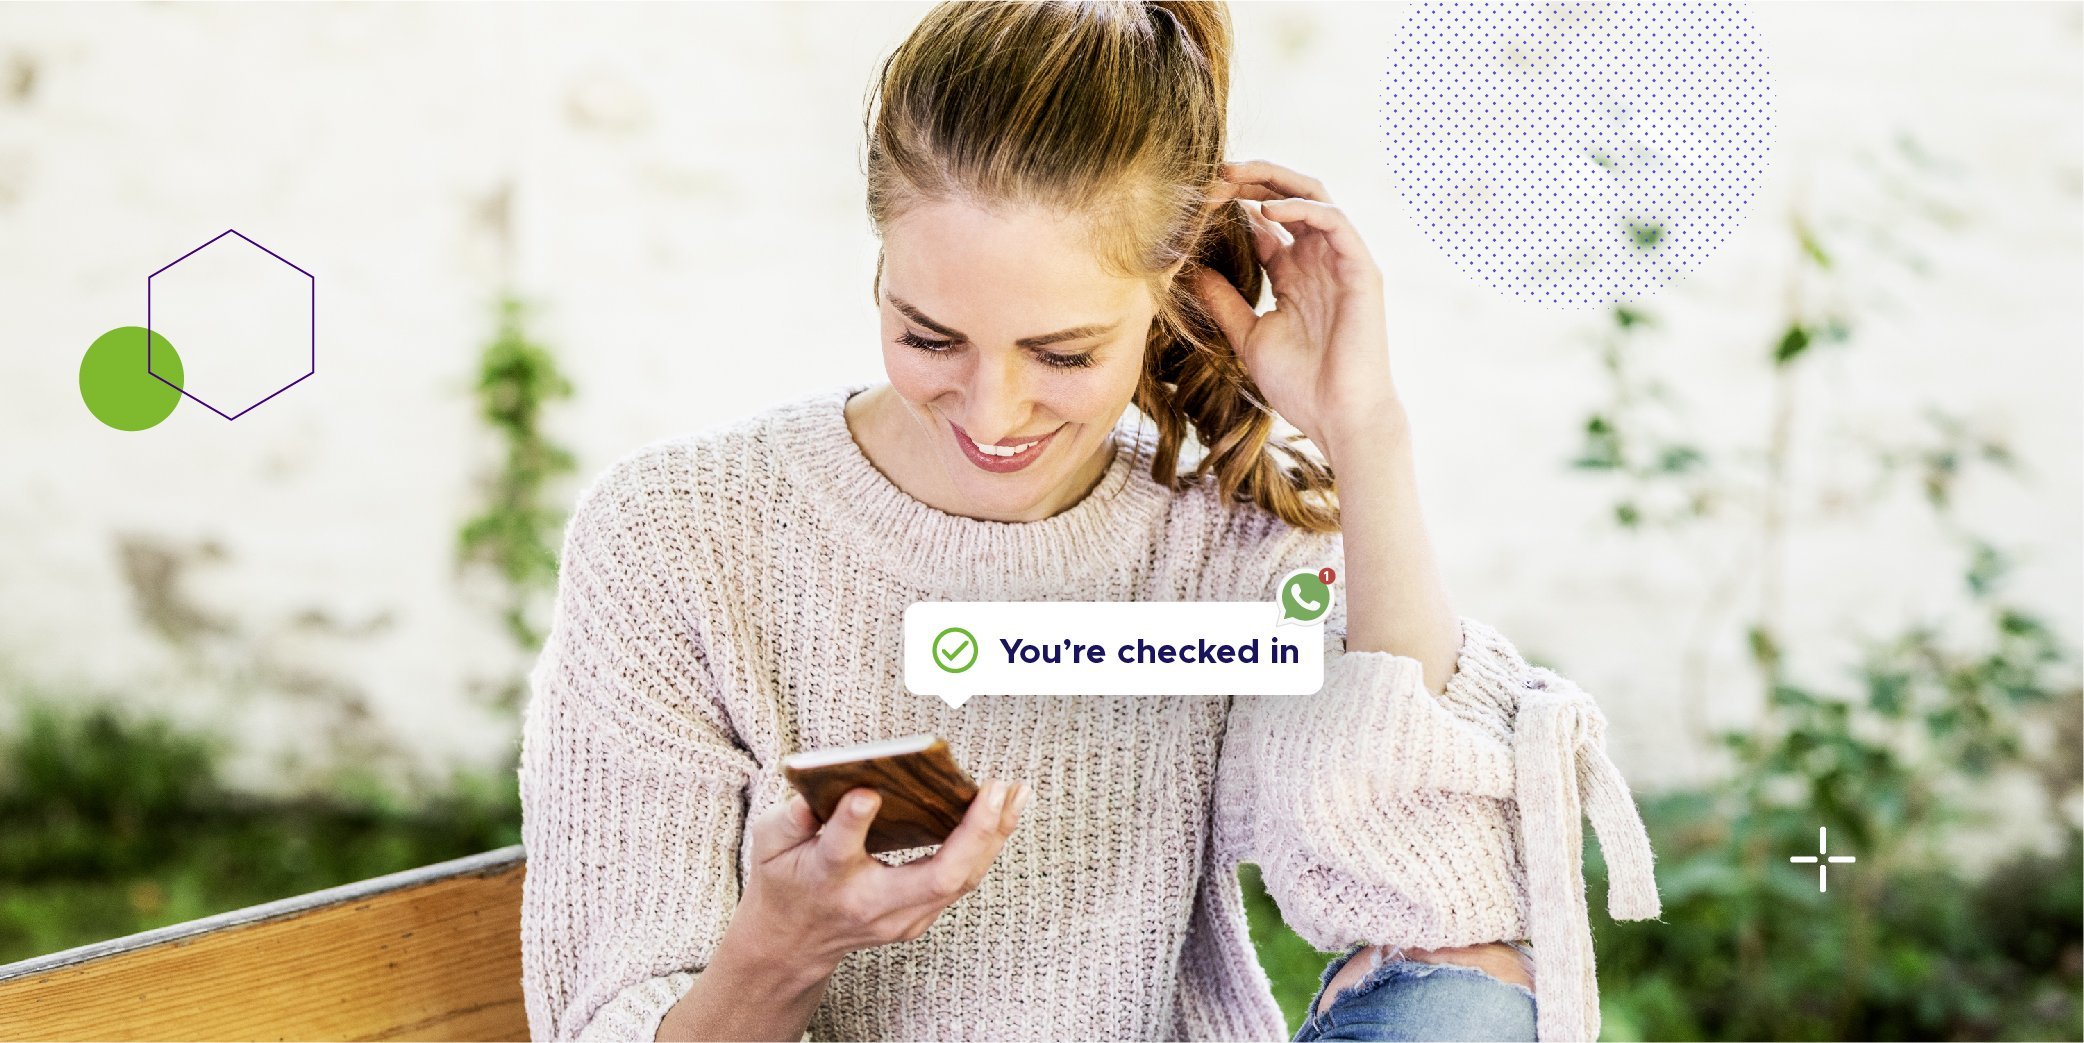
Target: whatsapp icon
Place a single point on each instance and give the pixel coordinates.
(1306, 596)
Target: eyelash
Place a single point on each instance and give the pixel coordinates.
(1049, 358)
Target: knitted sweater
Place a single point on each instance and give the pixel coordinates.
(730, 597)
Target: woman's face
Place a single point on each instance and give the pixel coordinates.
(1013, 351)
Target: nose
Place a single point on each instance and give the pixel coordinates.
(996, 401)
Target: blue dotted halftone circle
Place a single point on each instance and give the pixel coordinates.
(1579, 153)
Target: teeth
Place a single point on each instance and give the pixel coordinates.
(1002, 450)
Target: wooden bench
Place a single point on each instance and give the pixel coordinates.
(432, 954)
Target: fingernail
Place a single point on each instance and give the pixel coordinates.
(995, 797)
(862, 802)
(1020, 803)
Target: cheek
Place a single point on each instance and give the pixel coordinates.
(1095, 396)
(1099, 394)
(917, 376)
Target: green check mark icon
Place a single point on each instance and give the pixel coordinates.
(955, 650)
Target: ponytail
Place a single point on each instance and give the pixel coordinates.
(1193, 379)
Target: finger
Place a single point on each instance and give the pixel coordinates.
(845, 836)
(1231, 312)
(1274, 176)
(1268, 237)
(962, 857)
(1325, 218)
(783, 826)
(1259, 192)
(1017, 801)
(1272, 243)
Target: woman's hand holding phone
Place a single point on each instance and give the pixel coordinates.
(819, 894)
(815, 895)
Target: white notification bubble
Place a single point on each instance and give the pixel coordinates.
(957, 649)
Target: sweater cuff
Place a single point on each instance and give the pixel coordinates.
(1405, 738)
(1385, 811)
(1488, 674)
(636, 1011)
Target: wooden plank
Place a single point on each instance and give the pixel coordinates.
(429, 954)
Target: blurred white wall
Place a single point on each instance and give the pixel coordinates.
(684, 192)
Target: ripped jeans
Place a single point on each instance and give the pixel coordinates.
(1415, 1000)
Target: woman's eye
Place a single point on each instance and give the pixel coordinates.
(1064, 360)
(1053, 359)
(923, 344)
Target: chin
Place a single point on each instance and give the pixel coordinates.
(1006, 496)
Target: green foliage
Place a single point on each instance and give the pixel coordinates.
(516, 532)
(117, 825)
(1902, 946)
(1645, 235)
(1798, 338)
(1293, 965)
(1748, 948)
(1792, 344)
(1937, 464)
(1602, 448)
(1811, 247)
(1636, 437)
(1890, 756)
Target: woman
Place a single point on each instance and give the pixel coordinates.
(1061, 241)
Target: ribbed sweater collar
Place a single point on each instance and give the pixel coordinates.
(1095, 546)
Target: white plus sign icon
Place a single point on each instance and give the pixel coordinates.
(1822, 869)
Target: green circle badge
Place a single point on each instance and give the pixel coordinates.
(955, 650)
(118, 388)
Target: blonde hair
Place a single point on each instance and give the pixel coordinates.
(1115, 111)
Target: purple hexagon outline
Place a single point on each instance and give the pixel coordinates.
(184, 391)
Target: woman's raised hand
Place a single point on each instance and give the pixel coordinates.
(818, 893)
(1321, 355)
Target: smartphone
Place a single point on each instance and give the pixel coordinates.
(925, 793)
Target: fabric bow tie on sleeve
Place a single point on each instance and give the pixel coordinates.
(1561, 774)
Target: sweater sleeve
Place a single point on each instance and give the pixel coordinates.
(632, 785)
(1381, 813)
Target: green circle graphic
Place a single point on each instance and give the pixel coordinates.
(116, 385)
(969, 645)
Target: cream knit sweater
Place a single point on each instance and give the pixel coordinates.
(730, 597)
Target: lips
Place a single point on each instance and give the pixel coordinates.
(1002, 464)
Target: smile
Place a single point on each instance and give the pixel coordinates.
(1005, 455)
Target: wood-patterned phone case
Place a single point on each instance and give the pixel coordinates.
(925, 794)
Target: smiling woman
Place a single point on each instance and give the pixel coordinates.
(1011, 356)
(1080, 408)
(1062, 246)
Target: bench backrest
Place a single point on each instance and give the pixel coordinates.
(430, 954)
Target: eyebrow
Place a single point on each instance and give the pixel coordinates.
(1042, 340)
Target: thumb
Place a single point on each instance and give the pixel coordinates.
(1231, 312)
(845, 836)
(783, 826)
